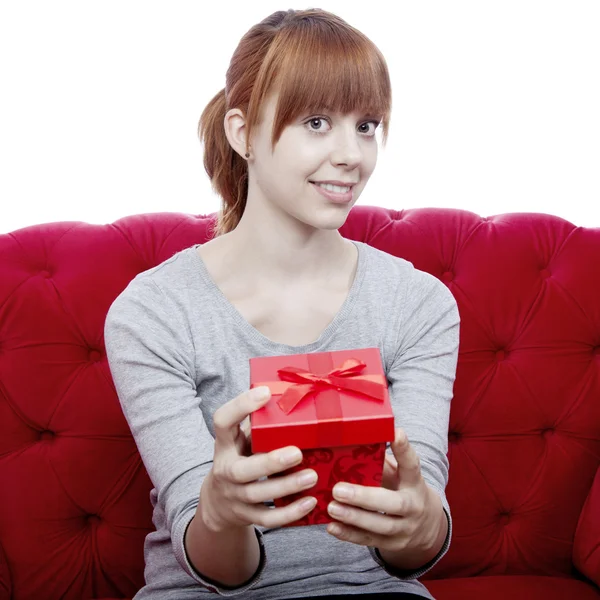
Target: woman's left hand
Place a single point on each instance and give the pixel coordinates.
(411, 509)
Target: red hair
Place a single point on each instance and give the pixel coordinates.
(317, 62)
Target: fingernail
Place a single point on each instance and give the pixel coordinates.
(260, 393)
(289, 455)
(342, 491)
(336, 509)
(307, 478)
(308, 503)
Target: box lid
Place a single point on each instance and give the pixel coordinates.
(326, 407)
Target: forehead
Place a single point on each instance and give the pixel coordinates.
(270, 106)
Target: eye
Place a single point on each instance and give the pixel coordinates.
(372, 131)
(314, 120)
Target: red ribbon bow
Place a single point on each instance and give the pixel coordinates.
(346, 377)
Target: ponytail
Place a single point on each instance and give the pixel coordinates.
(227, 170)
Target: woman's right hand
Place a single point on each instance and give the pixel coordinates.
(231, 495)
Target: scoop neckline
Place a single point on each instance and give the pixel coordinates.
(263, 340)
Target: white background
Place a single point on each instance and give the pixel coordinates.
(495, 105)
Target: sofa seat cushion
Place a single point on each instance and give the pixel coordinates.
(500, 587)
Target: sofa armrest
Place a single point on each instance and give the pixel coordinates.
(586, 546)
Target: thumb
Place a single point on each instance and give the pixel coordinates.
(409, 465)
(389, 478)
(398, 446)
(243, 439)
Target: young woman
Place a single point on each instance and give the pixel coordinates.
(289, 145)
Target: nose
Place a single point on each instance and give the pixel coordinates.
(347, 150)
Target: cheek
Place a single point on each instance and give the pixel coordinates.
(295, 159)
(369, 162)
(371, 155)
(282, 181)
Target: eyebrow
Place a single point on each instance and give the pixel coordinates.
(325, 111)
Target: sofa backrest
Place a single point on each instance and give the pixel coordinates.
(523, 443)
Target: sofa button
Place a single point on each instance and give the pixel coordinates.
(504, 518)
(454, 436)
(545, 273)
(91, 519)
(596, 351)
(500, 355)
(547, 432)
(448, 276)
(47, 435)
(95, 355)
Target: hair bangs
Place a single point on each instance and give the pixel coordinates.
(320, 65)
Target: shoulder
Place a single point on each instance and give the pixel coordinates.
(170, 272)
(146, 315)
(155, 287)
(413, 286)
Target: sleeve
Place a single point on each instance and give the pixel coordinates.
(152, 362)
(421, 381)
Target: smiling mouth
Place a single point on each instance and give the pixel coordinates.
(336, 189)
(335, 197)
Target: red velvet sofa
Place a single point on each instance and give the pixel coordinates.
(524, 434)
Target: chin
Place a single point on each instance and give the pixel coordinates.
(330, 223)
(327, 216)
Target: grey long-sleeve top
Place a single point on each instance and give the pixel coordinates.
(178, 349)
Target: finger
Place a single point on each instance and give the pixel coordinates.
(372, 522)
(409, 464)
(361, 537)
(389, 478)
(277, 517)
(391, 460)
(242, 441)
(250, 468)
(242, 445)
(277, 487)
(245, 426)
(227, 418)
(392, 502)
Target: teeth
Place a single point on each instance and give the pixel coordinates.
(334, 188)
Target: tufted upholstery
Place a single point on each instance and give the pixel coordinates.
(525, 420)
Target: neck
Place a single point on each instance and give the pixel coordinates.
(287, 259)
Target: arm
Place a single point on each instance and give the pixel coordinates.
(421, 379)
(407, 561)
(206, 546)
(152, 361)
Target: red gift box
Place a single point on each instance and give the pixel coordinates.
(335, 407)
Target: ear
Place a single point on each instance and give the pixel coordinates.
(235, 130)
